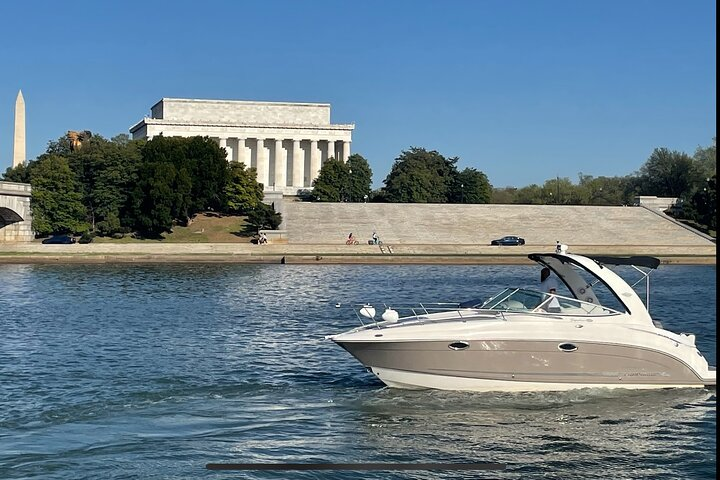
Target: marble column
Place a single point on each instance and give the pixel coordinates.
(298, 179)
(280, 165)
(346, 151)
(331, 149)
(241, 152)
(222, 142)
(262, 163)
(314, 161)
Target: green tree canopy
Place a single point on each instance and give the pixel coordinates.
(178, 178)
(420, 176)
(360, 178)
(703, 204)
(670, 174)
(106, 170)
(532, 194)
(333, 182)
(560, 191)
(605, 190)
(160, 197)
(19, 174)
(503, 195)
(264, 216)
(208, 168)
(470, 186)
(706, 159)
(242, 191)
(56, 199)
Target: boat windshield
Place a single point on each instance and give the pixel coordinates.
(519, 299)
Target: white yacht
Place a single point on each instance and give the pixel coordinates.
(527, 340)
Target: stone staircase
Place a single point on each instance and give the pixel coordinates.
(542, 225)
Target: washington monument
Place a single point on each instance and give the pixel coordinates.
(19, 142)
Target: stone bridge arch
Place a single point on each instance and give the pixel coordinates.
(15, 214)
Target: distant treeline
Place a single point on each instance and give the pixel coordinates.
(422, 176)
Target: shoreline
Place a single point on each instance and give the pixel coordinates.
(398, 254)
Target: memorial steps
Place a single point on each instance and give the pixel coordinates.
(541, 225)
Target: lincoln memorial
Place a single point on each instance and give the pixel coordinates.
(287, 143)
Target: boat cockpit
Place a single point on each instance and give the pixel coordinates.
(524, 300)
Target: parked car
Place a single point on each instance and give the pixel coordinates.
(65, 239)
(509, 240)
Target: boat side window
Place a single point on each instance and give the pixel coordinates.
(530, 299)
(494, 301)
(572, 306)
(515, 300)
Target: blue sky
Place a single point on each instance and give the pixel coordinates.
(522, 90)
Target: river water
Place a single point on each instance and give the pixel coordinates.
(154, 371)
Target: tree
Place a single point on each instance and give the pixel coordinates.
(333, 182)
(208, 167)
(264, 216)
(179, 177)
(503, 195)
(106, 170)
(706, 159)
(56, 199)
(242, 190)
(704, 204)
(20, 174)
(531, 195)
(604, 190)
(160, 197)
(470, 186)
(670, 174)
(360, 178)
(560, 191)
(420, 176)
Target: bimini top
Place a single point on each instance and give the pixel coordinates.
(639, 261)
(562, 265)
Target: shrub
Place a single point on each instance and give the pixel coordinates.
(86, 237)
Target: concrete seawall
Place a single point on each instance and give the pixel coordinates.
(328, 253)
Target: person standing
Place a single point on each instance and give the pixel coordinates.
(548, 283)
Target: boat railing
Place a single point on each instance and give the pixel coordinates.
(417, 311)
(369, 315)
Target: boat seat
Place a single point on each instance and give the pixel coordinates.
(515, 305)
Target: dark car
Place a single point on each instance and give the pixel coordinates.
(509, 240)
(59, 239)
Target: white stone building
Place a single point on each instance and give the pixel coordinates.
(286, 142)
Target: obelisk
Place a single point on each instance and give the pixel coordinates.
(19, 142)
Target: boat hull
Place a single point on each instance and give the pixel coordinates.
(521, 365)
(420, 381)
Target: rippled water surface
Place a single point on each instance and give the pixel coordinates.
(154, 371)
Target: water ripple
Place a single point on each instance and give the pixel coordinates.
(152, 371)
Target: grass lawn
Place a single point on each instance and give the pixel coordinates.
(204, 228)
